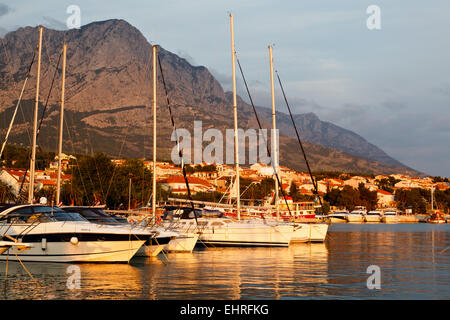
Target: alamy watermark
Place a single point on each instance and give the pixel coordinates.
(373, 22)
(374, 280)
(74, 280)
(74, 20)
(220, 150)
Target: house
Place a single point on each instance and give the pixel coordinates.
(385, 198)
(262, 169)
(177, 184)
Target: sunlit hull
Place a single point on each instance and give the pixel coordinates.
(355, 218)
(244, 233)
(107, 251)
(73, 242)
(182, 243)
(388, 219)
(372, 219)
(153, 247)
(318, 232)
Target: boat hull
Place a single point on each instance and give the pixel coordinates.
(390, 219)
(372, 219)
(153, 247)
(337, 220)
(89, 251)
(182, 243)
(355, 218)
(318, 232)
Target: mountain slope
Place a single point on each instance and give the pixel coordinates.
(108, 99)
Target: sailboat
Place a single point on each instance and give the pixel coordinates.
(225, 231)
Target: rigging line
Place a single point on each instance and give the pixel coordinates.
(126, 135)
(76, 159)
(41, 120)
(96, 167)
(18, 103)
(260, 127)
(300, 142)
(180, 152)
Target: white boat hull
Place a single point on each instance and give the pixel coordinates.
(372, 219)
(388, 219)
(74, 242)
(244, 233)
(182, 243)
(356, 218)
(318, 232)
(89, 251)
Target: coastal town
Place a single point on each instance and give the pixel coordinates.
(215, 178)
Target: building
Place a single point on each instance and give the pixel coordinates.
(177, 184)
(385, 198)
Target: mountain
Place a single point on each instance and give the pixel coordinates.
(326, 134)
(109, 99)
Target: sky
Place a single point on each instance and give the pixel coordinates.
(389, 85)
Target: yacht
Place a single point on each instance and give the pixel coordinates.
(154, 243)
(436, 217)
(373, 216)
(390, 216)
(356, 215)
(6, 245)
(224, 231)
(338, 216)
(55, 235)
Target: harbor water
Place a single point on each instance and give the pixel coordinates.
(413, 262)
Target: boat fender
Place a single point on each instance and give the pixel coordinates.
(74, 240)
(44, 244)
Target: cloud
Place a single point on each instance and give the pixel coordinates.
(4, 10)
(187, 57)
(53, 23)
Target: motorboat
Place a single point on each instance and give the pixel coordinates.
(373, 216)
(6, 245)
(154, 243)
(356, 215)
(390, 216)
(224, 231)
(56, 235)
(338, 216)
(436, 217)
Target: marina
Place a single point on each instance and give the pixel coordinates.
(336, 269)
(133, 212)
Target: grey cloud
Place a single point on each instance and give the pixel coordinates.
(53, 23)
(187, 57)
(4, 10)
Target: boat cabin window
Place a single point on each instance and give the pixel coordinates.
(42, 214)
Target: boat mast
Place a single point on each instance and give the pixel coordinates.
(236, 140)
(33, 150)
(274, 136)
(432, 200)
(61, 121)
(155, 52)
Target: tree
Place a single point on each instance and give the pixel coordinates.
(6, 193)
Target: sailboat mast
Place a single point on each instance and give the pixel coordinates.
(155, 52)
(61, 121)
(274, 136)
(33, 150)
(236, 140)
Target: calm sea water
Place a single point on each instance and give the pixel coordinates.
(414, 260)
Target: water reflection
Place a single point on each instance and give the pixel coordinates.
(414, 261)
